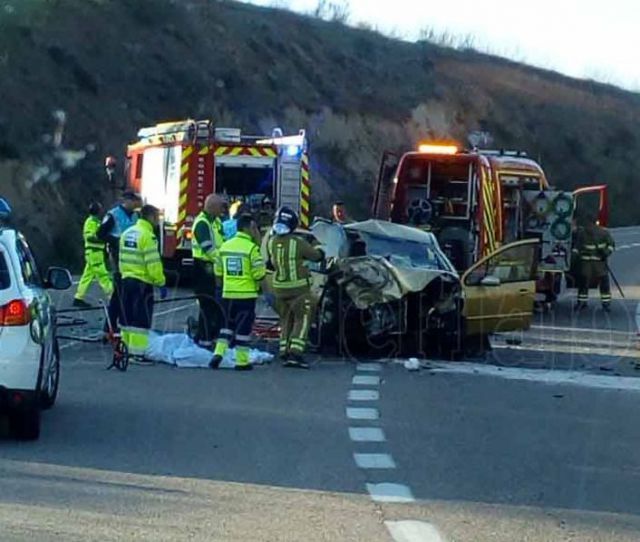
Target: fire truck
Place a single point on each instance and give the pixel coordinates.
(475, 201)
(176, 165)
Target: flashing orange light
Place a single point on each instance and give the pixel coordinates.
(438, 149)
(188, 235)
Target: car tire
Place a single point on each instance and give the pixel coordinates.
(51, 381)
(24, 424)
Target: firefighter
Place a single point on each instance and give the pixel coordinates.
(240, 266)
(141, 269)
(113, 225)
(206, 241)
(292, 286)
(94, 258)
(592, 249)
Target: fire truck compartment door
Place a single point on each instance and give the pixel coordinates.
(583, 201)
(289, 185)
(160, 184)
(500, 289)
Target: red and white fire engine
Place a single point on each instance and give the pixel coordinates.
(475, 201)
(176, 165)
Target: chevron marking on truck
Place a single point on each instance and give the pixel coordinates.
(305, 192)
(184, 186)
(257, 152)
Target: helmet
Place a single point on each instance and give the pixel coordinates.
(285, 222)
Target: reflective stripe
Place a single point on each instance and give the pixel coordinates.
(293, 271)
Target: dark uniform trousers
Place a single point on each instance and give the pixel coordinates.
(137, 304)
(239, 315)
(115, 309)
(210, 316)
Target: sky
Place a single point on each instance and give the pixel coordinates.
(587, 39)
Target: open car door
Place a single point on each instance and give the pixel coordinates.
(500, 289)
(382, 196)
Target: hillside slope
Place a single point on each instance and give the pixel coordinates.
(115, 65)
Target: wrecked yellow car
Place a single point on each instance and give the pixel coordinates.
(389, 290)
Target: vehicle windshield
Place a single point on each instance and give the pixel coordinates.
(402, 252)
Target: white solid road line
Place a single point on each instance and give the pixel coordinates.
(364, 395)
(366, 434)
(362, 413)
(584, 330)
(542, 376)
(374, 461)
(390, 493)
(413, 531)
(366, 380)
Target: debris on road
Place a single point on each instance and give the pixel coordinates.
(412, 364)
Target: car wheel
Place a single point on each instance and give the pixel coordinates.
(24, 424)
(51, 380)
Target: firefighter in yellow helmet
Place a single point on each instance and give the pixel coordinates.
(240, 266)
(295, 304)
(141, 269)
(592, 249)
(95, 267)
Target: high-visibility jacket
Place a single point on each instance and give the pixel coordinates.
(240, 265)
(593, 247)
(89, 231)
(140, 256)
(287, 254)
(207, 237)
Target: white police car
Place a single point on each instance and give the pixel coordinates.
(29, 353)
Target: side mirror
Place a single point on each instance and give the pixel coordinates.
(490, 281)
(58, 279)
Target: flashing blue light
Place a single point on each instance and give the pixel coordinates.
(5, 209)
(293, 150)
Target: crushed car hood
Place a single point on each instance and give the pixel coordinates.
(371, 279)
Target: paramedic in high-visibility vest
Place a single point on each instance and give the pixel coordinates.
(295, 303)
(141, 269)
(240, 266)
(94, 258)
(206, 241)
(115, 222)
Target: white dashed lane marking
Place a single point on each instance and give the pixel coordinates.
(369, 367)
(366, 434)
(362, 413)
(359, 380)
(413, 531)
(374, 461)
(390, 493)
(364, 395)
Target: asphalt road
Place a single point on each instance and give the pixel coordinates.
(536, 443)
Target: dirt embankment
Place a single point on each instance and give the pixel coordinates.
(115, 65)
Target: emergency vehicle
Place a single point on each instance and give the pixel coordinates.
(475, 201)
(176, 165)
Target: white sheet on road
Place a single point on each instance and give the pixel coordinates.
(178, 349)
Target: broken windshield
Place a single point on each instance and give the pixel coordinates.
(401, 252)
